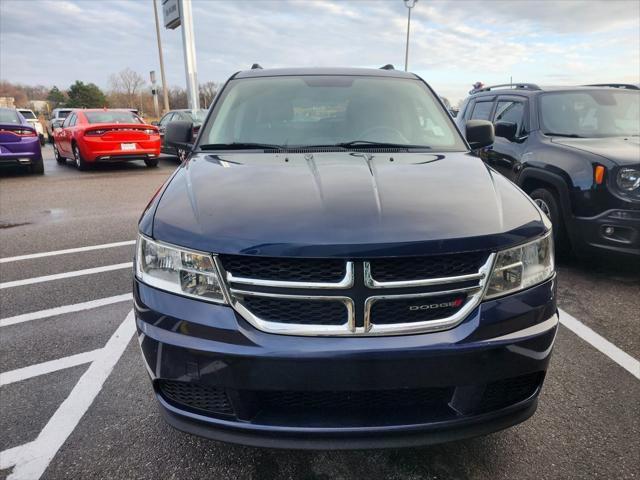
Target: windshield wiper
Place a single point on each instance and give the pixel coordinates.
(568, 135)
(241, 146)
(367, 143)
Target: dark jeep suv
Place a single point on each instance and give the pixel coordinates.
(575, 151)
(332, 268)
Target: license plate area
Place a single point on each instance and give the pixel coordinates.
(128, 146)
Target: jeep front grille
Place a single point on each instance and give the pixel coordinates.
(385, 296)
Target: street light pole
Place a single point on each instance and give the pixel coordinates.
(409, 4)
(165, 92)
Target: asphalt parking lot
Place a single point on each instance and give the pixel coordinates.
(76, 402)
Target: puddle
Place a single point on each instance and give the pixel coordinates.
(54, 212)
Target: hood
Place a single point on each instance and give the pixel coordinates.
(342, 204)
(620, 150)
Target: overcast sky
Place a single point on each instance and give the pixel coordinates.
(453, 43)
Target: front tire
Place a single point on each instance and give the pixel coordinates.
(151, 162)
(548, 203)
(80, 162)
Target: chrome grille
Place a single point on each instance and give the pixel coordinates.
(289, 296)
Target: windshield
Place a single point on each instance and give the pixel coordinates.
(328, 111)
(28, 114)
(595, 113)
(112, 116)
(9, 116)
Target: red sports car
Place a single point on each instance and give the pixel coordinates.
(105, 135)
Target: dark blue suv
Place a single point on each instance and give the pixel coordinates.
(332, 268)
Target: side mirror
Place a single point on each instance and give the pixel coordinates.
(179, 134)
(479, 133)
(155, 124)
(57, 123)
(506, 130)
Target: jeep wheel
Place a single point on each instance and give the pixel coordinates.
(80, 162)
(550, 206)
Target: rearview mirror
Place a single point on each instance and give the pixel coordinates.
(179, 134)
(479, 133)
(506, 130)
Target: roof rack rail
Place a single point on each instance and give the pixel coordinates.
(256, 66)
(514, 86)
(388, 66)
(627, 86)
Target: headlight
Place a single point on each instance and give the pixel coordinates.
(522, 267)
(177, 270)
(628, 179)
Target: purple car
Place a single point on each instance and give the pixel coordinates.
(19, 142)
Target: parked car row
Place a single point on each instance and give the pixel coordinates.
(575, 151)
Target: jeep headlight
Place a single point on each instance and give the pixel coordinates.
(522, 267)
(628, 179)
(177, 270)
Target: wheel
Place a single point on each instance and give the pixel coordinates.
(80, 162)
(548, 203)
(38, 167)
(151, 162)
(56, 154)
(181, 153)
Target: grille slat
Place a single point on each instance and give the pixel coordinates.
(421, 268)
(285, 269)
(303, 312)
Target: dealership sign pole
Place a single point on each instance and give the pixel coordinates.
(165, 92)
(177, 13)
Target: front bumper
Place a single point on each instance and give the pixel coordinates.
(217, 376)
(616, 231)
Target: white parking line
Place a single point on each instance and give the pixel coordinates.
(68, 250)
(619, 356)
(76, 307)
(59, 276)
(43, 368)
(32, 459)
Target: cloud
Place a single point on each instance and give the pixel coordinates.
(453, 42)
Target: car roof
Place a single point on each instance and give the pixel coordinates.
(283, 72)
(532, 89)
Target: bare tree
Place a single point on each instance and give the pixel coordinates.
(208, 92)
(126, 85)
